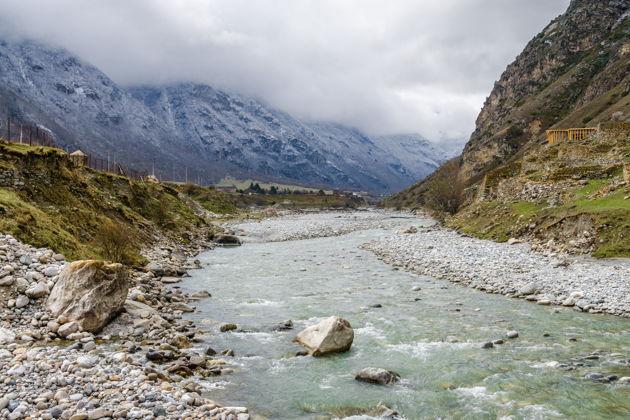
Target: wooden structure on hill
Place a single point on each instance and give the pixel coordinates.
(560, 136)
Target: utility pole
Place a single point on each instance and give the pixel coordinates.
(186, 174)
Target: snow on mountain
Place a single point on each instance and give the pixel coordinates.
(211, 132)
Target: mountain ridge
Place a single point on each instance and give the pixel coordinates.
(210, 131)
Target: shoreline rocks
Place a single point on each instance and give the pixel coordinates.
(52, 368)
(585, 285)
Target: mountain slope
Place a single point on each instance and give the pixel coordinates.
(569, 197)
(574, 73)
(192, 128)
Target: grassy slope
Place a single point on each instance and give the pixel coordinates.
(601, 201)
(63, 207)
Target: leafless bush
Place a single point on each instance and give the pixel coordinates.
(115, 242)
(445, 192)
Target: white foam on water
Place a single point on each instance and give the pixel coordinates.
(217, 385)
(261, 302)
(474, 398)
(552, 364)
(424, 349)
(539, 412)
(370, 331)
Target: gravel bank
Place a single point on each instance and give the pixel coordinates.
(147, 363)
(514, 270)
(313, 225)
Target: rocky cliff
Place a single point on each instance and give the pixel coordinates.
(575, 73)
(508, 182)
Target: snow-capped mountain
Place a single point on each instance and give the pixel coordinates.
(211, 132)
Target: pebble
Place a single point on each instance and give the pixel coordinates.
(512, 334)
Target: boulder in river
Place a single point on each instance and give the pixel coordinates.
(224, 239)
(377, 376)
(332, 335)
(89, 292)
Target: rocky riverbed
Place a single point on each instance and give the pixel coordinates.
(312, 225)
(512, 269)
(147, 363)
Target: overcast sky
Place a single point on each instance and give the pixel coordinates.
(385, 66)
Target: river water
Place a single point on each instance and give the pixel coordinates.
(431, 337)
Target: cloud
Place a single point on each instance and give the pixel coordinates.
(383, 66)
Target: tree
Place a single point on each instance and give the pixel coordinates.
(273, 190)
(446, 191)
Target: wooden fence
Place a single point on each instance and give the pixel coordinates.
(560, 136)
(36, 136)
(26, 134)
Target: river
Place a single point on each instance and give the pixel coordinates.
(432, 337)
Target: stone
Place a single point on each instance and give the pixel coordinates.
(51, 271)
(37, 290)
(6, 336)
(407, 230)
(487, 345)
(90, 293)
(224, 239)
(7, 281)
(228, 327)
(624, 380)
(513, 241)
(569, 302)
(377, 376)
(21, 285)
(99, 413)
(529, 289)
(171, 280)
(68, 328)
(201, 294)
(512, 334)
(181, 306)
(332, 335)
(21, 301)
(26, 260)
(87, 362)
(4, 402)
(59, 257)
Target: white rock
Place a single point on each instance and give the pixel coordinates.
(6, 336)
(332, 335)
(37, 290)
(21, 301)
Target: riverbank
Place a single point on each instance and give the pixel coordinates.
(146, 363)
(309, 225)
(577, 282)
(581, 283)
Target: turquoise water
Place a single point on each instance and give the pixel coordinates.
(431, 337)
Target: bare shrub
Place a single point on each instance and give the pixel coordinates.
(445, 191)
(115, 242)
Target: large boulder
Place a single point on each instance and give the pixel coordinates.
(225, 239)
(332, 335)
(377, 376)
(89, 293)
